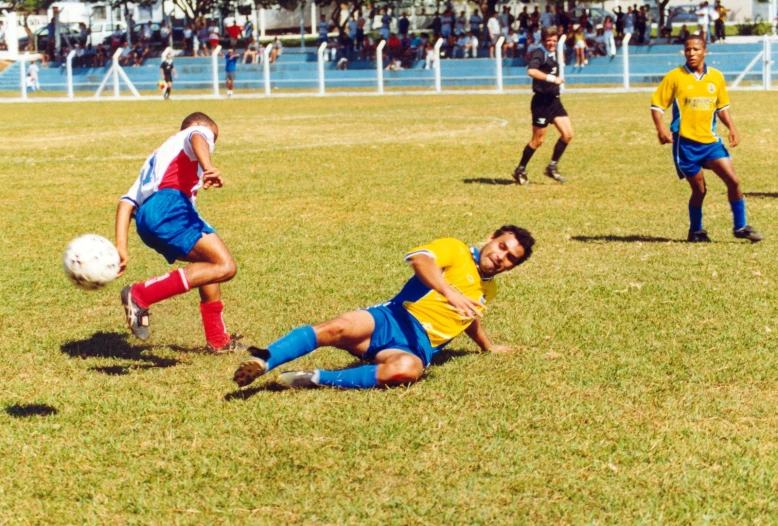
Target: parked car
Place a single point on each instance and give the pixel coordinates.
(596, 15)
(156, 40)
(101, 30)
(69, 33)
(682, 14)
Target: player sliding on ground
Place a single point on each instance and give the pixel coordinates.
(162, 200)
(699, 95)
(446, 297)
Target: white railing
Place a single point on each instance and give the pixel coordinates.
(215, 69)
(767, 71)
(266, 69)
(498, 61)
(23, 70)
(560, 58)
(438, 45)
(114, 72)
(320, 57)
(69, 67)
(625, 58)
(379, 64)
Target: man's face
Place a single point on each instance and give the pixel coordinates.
(550, 42)
(500, 254)
(695, 52)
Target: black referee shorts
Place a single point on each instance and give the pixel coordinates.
(546, 108)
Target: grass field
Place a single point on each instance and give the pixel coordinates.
(643, 390)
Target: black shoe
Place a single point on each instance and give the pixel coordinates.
(749, 233)
(137, 316)
(699, 236)
(520, 175)
(553, 173)
(297, 379)
(252, 368)
(231, 346)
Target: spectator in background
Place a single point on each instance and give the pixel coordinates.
(352, 27)
(547, 19)
(472, 45)
(139, 54)
(429, 54)
(146, 33)
(447, 23)
(125, 59)
(83, 33)
(719, 23)
(233, 32)
(116, 39)
(524, 19)
(202, 37)
(248, 31)
(629, 22)
(32, 71)
(580, 48)
(493, 27)
(607, 34)
(213, 35)
(360, 30)
(250, 55)
(3, 45)
(386, 22)
(460, 24)
(599, 47)
(324, 29)
(164, 35)
(649, 16)
(276, 50)
(667, 30)
(703, 19)
(504, 19)
(422, 46)
(188, 42)
(99, 60)
(683, 34)
(367, 51)
(403, 25)
(436, 26)
(475, 22)
(230, 68)
(511, 43)
(619, 23)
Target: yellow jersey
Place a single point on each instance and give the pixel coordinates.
(696, 102)
(459, 264)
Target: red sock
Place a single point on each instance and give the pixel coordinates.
(213, 322)
(160, 288)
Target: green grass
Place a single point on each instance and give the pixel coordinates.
(644, 389)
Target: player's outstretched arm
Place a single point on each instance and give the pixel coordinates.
(430, 274)
(212, 176)
(123, 219)
(547, 77)
(476, 333)
(726, 118)
(663, 133)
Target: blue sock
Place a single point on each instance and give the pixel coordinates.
(739, 213)
(299, 342)
(363, 377)
(695, 218)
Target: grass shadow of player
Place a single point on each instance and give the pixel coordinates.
(489, 180)
(761, 194)
(30, 410)
(248, 392)
(624, 239)
(114, 345)
(447, 355)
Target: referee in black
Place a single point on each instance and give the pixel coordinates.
(546, 107)
(167, 69)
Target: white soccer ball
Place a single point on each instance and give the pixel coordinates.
(91, 261)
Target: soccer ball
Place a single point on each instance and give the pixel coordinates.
(91, 261)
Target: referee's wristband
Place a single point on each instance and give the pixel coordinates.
(550, 78)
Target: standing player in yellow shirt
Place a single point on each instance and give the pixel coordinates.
(446, 296)
(699, 96)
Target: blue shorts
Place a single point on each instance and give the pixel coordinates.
(169, 223)
(396, 328)
(690, 156)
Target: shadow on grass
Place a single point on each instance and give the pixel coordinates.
(30, 410)
(447, 355)
(761, 194)
(489, 180)
(624, 239)
(248, 392)
(113, 345)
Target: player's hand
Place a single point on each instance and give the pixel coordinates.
(734, 138)
(559, 81)
(467, 307)
(212, 177)
(124, 258)
(665, 136)
(501, 349)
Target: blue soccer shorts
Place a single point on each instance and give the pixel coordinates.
(169, 223)
(396, 328)
(690, 156)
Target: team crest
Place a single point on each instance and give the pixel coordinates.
(711, 88)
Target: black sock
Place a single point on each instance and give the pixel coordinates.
(526, 156)
(559, 149)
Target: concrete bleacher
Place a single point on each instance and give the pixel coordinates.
(297, 69)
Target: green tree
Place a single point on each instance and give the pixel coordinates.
(26, 8)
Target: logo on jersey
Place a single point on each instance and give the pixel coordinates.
(711, 88)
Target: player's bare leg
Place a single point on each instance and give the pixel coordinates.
(724, 168)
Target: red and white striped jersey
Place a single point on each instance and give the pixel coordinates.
(173, 165)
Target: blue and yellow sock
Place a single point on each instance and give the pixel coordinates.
(695, 218)
(363, 377)
(299, 342)
(739, 213)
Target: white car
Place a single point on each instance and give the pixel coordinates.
(102, 29)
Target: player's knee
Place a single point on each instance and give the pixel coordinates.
(227, 269)
(401, 370)
(331, 331)
(567, 137)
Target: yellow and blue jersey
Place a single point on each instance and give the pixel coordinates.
(459, 264)
(696, 101)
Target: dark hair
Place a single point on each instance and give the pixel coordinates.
(523, 236)
(696, 37)
(197, 118)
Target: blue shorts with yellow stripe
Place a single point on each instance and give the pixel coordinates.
(396, 328)
(168, 222)
(691, 156)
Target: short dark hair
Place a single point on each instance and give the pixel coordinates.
(198, 118)
(696, 37)
(522, 235)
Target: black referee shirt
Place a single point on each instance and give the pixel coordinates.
(167, 68)
(545, 61)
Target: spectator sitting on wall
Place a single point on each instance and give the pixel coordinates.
(345, 44)
(421, 48)
(683, 34)
(511, 44)
(99, 59)
(276, 50)
(367, 51)
(125, 59)
(116, 39)
(531, 46)
(213, 35)
(472, 45)
(140, 54)
(250, 56)
(233, 32)
(429, 54)
(413, 45)
(202, 37)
